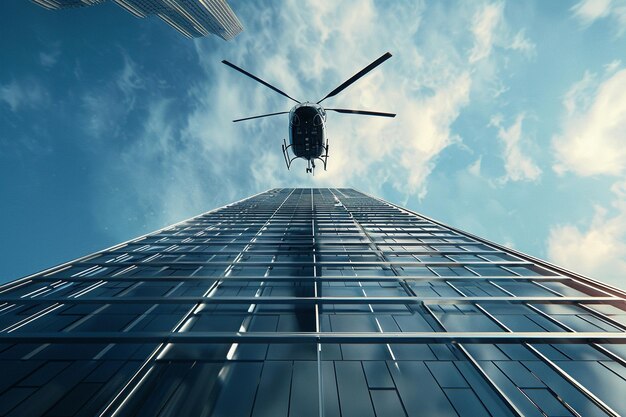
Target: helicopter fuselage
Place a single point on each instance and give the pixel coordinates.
(307, 135)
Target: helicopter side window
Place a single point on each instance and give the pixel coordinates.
(317, 120)
(295, 120)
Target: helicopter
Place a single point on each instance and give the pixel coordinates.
(307, 120)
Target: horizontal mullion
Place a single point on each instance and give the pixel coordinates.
(315, 337)
(284, 233)
(319, 223)
(221, 233)
(318, 215)
(287, 230)
(313, 300)
(310, 278)
(307, 245)
(305, 251)
(346, 264)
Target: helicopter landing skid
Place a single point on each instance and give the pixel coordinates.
(310, 162)
(288, 159)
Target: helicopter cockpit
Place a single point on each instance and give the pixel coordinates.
(312, 113)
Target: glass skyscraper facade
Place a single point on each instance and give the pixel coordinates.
(192, 18)
(311, 302)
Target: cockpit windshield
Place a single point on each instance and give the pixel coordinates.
(306, 114)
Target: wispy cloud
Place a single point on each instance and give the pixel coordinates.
(597, 249)
(518, 165)
(521, 42)
(591, 141)
(588, 11)
(106, 107)
(612, 66)
(51, 55)
(486, 21)
(474, 168)
(128, 79)
(489, 29)
(25, 93)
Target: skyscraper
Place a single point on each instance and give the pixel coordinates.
(311, 302)
(192, 18)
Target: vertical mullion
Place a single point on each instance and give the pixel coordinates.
(320, 387)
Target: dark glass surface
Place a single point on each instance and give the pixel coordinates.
(276, 306)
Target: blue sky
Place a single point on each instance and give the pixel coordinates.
(511, 120)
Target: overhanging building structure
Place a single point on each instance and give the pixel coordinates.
(311, 302)
(192, 18)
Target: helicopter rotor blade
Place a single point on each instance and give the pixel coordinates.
(358, 75)
(257, 117)
(363, 112)
(254, 77)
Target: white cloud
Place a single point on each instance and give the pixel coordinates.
(495, 45)
(599, 250)
(106, 107)
(580, 94)
(474, 168)
(518, 165)
(489, 30)
(50, 57)
(591, 141)
(485, 23)
(588, 11)
(521, 43)
(24, 93)
(128, 80)
(612, 66)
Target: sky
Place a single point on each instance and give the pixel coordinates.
(511, 120)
